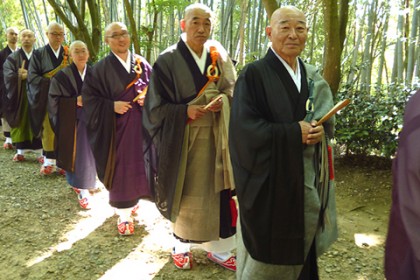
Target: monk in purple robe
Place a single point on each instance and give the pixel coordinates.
(113, 95)
(402, 251)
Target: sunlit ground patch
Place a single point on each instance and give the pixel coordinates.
(89, 221)
(365, 240)
(152, 253)
(144, 261)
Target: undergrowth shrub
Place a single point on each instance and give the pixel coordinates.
(371, 123)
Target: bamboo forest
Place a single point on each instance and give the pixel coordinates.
(368, 51)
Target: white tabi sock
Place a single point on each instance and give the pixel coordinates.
(220, 246)
(49, 161)
(84, 193)
(8, 140)
(222, 256)
(20, 152)
(38, 152)
(124, 213)
(181, 247)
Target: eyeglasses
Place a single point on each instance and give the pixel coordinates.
(118, 36)
(57, 34)
(81, 52)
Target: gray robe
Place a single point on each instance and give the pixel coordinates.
(187, 180)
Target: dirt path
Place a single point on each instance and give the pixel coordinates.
(45, 235)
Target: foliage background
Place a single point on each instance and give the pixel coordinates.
(377, 64)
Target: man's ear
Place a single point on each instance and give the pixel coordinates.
(268, 31)
(182, 24)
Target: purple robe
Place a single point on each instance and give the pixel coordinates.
(116, 139)
(402, 251)
(129, 181)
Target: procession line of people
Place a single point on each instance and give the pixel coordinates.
(188, 134)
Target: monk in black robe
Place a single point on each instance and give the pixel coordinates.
(113, 95)
(45, 63)
(279, 157)
(12, 36)
(65, 108)
(15, 71)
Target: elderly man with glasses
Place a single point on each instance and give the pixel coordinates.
(45, 63)
(113, 95)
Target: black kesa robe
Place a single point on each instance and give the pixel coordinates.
(65, 86)
(267, 157)
(16, 87)
(4, 53)
(43, 61)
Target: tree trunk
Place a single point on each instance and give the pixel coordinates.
(355, 65)
(25, 14)
(244, 10)
(312, 44)
(382, 60)
(38, 20)
(270, 6)
(413, 42)
(133, 27)
(334, 38)
(81, 31)
(366, 72)
(150, 33)
(397, 68)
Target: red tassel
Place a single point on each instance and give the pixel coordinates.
(233, 212)
(330, 163)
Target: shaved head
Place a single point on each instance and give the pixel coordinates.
(282, 12)
(12, 37)
(12, 29)
(114, 26)
(288, 33)
(27, 39)
(198, 6)
(118, 39)
(27, 31)
(55, 34)
(77, 44)
(54, 26)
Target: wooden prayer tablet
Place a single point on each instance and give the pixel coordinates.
(340, 105)
(216, 99)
